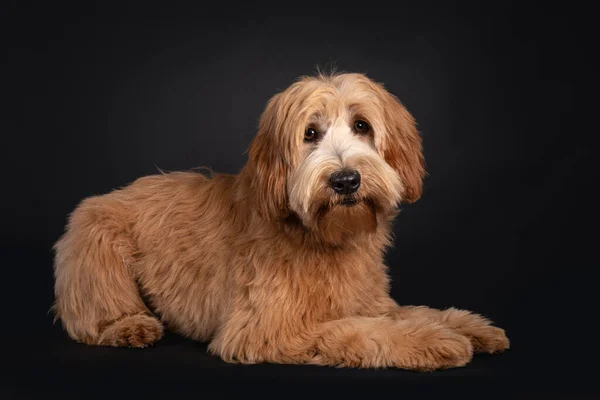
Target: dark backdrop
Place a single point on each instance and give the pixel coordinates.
(96, 96)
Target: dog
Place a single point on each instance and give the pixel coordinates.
(280, 263)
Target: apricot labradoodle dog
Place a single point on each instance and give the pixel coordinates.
(282, 263)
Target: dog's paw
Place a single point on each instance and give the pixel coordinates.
(437, 347)
(419, 345)
(131, 331)
(485, 337)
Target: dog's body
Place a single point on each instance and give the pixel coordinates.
(280, 263)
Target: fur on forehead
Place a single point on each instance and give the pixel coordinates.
(324, 98)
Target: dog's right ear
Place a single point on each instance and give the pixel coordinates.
(267, 164)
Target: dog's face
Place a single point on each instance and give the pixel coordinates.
(338, 152)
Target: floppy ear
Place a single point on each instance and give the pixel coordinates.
(402, 148)
(266, 162)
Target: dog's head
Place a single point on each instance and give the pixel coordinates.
(338, 152)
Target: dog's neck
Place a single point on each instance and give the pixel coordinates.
(309, 238)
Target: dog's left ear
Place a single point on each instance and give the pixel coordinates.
(267, 163)
(402, 148)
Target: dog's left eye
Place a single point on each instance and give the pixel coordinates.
(310, 135)
(361, 127)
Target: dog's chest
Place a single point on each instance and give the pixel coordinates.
(318, 288)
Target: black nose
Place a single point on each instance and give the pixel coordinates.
(345, 182)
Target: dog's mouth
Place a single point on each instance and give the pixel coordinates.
(349, 201)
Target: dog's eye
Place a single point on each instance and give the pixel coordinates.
(310, 135)
(361, 127)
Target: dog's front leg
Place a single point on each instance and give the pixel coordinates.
(246, 340)
(485, 337)
(365, 342)
(381, 342)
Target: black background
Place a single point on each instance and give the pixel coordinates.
(96, 96)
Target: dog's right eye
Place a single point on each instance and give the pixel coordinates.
(310, 135)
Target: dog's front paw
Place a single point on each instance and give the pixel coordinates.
(485, 337)
(418, 345)
(439, 348)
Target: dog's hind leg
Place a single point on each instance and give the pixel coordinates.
(97, 298)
